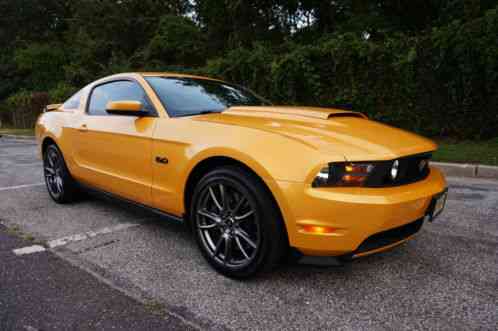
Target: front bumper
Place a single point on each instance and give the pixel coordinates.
(354, 215)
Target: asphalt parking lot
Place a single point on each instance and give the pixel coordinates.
(445, 279)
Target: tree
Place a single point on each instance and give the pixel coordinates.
(177, 41)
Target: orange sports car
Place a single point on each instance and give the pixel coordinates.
(253, 181)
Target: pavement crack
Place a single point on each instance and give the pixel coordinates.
(94, 247)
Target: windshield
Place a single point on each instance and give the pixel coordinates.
(185, 96)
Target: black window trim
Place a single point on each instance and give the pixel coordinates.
(152, 113)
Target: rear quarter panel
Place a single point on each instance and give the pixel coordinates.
(56, 125)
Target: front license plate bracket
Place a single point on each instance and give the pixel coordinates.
(437, 205)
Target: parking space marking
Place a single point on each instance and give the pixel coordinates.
(8, 188)
(73, 238)
(29, 250)
(90, 234)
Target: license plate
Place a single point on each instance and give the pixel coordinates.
(437, 205)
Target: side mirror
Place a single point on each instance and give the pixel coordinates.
(126, 107)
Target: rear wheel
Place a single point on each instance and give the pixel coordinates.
(236, 223)
(60, 185)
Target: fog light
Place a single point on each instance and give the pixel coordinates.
(317, 229)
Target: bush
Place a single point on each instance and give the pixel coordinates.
(439, 82)
(464, 71)
(248, 67)
(177, 41)
(60, 93)
(24, 108)
(5, 115)
(41, 64)
(443, 83)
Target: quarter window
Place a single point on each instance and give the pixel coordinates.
(116, 91)
(73, 102)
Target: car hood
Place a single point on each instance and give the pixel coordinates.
(332, 131)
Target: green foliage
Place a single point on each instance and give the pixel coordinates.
(177, 41)
(442, 83)
(427, 66)
(41, 64)
(248, 67)
(296, 75)
(61, 92)
(21, 99)
(23, 116)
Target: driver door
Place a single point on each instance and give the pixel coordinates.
(113, 152)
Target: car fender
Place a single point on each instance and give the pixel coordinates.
(53, 126)
(250, 162)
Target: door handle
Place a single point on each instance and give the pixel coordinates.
(83, 128)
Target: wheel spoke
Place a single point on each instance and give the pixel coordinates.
(209, 215)
(211, 193)
(224, 197)
(50, 170)
(55, 159)
(241, 248)
(240, 203)
(58, 181)
(246, 215)
(218, 246)
(208, 226)
(228, 249)
(50, 161)
(242, 234)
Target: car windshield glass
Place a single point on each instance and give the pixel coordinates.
(185, 96)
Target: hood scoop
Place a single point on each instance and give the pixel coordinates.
(310, 112)
(347, 114)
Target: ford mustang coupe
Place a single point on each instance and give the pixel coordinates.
(253, 181)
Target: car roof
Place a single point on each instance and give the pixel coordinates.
(153, 74)
(174, 74)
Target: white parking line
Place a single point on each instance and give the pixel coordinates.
(73, 238)
(90, 234)
(8, 188)
(29, 250)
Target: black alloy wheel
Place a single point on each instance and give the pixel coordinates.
(60, 185)
(236, 224)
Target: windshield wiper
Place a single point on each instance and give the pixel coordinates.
(204, 112)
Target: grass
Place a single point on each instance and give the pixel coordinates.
(483, 152)
(16, 231)
(155, 307)
(18, 132)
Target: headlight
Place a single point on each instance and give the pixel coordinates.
(343, 174)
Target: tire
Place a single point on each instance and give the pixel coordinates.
(60, 184)
(236, 223)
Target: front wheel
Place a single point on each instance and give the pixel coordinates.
(60, 185)
(236, 223)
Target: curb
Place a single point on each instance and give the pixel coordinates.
(467, 170)
(16, 137)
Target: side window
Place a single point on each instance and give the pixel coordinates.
(73, 102)
(115, 91)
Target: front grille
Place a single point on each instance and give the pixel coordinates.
(410, 171)
(389, 237)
